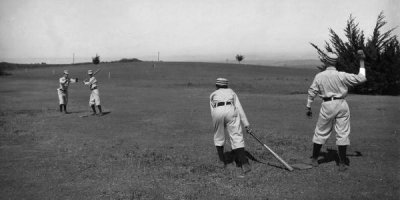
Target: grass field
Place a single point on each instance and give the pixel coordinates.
(156, 142)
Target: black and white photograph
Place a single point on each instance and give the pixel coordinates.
(199, 99)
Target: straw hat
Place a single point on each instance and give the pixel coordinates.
(331, 58)
(222, 82)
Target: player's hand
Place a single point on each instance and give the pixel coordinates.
(248, 129)
(361, 54)
(309, 112)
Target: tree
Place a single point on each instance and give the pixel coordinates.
(239, 58)
(96, 59)
(382, 52)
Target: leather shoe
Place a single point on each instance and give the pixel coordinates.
(246, 168)
(313, 162)
(342, 167)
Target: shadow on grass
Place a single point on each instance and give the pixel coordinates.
(329, 156)
(106, 113)
(332, 155)
(90, 113)
(75, 112)
(230, 157)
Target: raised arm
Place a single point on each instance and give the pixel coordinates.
(362, 64)
(355, 79)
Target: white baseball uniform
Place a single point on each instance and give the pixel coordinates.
(63, 89)
(95, 94)
(227, 114)
(332, 86)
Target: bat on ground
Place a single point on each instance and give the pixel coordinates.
(273, 153)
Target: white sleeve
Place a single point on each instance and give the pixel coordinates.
(241, 111)
(362, 71)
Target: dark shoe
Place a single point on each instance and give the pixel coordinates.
(221, 165)
(240, 173)
(342, 167)
(313, 162)
(246, 168)
(220, 151)
(93, 109)
(100, 110)
(316, 150)
(93, 113)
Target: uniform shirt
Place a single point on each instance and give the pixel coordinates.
(64, 83)
(332, 83)
(92, 83)
(228, 95)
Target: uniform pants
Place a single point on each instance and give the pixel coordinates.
(62, 96)
(94, 98)
(333, 114)
(227, 119)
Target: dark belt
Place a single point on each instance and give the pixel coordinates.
(331, 98)
(93, 88)
(223, 103)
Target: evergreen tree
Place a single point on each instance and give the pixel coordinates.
(96, 59)
(382, 52)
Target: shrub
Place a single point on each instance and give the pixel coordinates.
(239, 58)
(96, 59)
(382, 52)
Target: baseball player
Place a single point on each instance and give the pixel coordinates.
(94, 95)
(332, 86)
(227, 114)
(62, 90)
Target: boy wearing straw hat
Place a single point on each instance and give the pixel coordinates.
(227, 115)
(332, 86)
(62, 90)
(94, 99)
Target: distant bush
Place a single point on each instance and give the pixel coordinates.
(96, 59)
(239, 58)
(382, 61)
(129, 60)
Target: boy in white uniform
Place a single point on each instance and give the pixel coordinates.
(94, 95)
(332, 86)
(62, 90)
(227, 114)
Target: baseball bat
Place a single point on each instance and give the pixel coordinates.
(273, 153)
(94, 73)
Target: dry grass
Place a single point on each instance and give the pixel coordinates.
(156, 142)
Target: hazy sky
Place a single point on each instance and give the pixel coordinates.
(179, 29)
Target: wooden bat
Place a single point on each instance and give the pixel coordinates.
(94, 73)
(273, 153)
